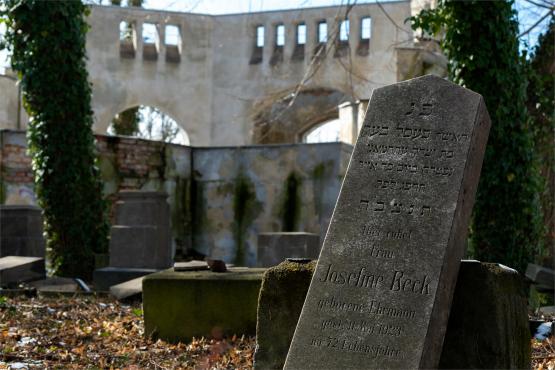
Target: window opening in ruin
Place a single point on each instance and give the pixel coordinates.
(280, 35)
(260, 36)
(365, 28)
(125, 31)
(126, 44)
(150, 33)
(344, 30)
(301, 34)
(149, 123)
(4, 58)
(325, 132)
(172, 36)
(322, 32)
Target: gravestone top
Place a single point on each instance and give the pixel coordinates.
(381, 293)
(130, 195)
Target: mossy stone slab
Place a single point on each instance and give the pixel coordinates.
(181, 305)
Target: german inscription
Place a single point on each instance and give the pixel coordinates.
(382, 289)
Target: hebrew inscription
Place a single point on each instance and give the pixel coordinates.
(381, 292)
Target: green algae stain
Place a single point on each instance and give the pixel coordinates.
(291, 204)
(245, 210)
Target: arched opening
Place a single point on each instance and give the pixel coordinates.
(150, 123)
(287, 116)
(324, 132)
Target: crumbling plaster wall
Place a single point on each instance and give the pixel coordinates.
(220, 198)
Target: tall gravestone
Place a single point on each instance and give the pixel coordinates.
(381, 292)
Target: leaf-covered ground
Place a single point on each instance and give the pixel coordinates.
(88, 332)
(77, 333)
(543, 354)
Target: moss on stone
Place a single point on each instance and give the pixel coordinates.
(245, 210)
(181, 213)
(2, 192)
(291, 207)
(181, 305)
(319, 174)
(488, 324)
(282, 295)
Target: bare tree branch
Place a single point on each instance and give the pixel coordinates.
(536, 24)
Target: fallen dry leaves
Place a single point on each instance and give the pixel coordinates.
(88, 332)
(543, 354)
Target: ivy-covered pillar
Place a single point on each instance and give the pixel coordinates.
(47, 41)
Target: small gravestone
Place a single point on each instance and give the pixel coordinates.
(274, 248)
(141, 236)
(21, 231)
(381, 293)
(140, 239)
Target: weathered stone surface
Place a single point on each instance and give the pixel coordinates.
(15, 269)
(107, 277)
(381, 294)
(139, 247)
(140, 237)
(274, 248)
(190, 266)
(128, 290)
(21, 231)
(488, 326)
(281, 299)
(543, 277)
(489, 299)
(181, 305)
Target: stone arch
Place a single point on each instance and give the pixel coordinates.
(277, 120)
(161, 110)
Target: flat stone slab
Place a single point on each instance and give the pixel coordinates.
(107, 277)
(56, 285)
(190, 266)
(181, 305)
(398, 232)
(15, 269)
(127, 290)
(273, 248)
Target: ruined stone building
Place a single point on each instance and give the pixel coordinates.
(243, 78)
(231, 81)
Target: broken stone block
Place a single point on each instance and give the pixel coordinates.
(488, 326)
(487, 329)
(16, 269)
(181, 305)
(282, 296)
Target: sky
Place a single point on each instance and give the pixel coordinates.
(528, 13)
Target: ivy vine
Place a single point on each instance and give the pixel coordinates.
(47, 42)
(480, 40)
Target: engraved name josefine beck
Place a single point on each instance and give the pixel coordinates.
(381, 293)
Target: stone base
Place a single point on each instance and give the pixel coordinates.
(488, 324)
(181, 305)
(109, 276)
(15, 270)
